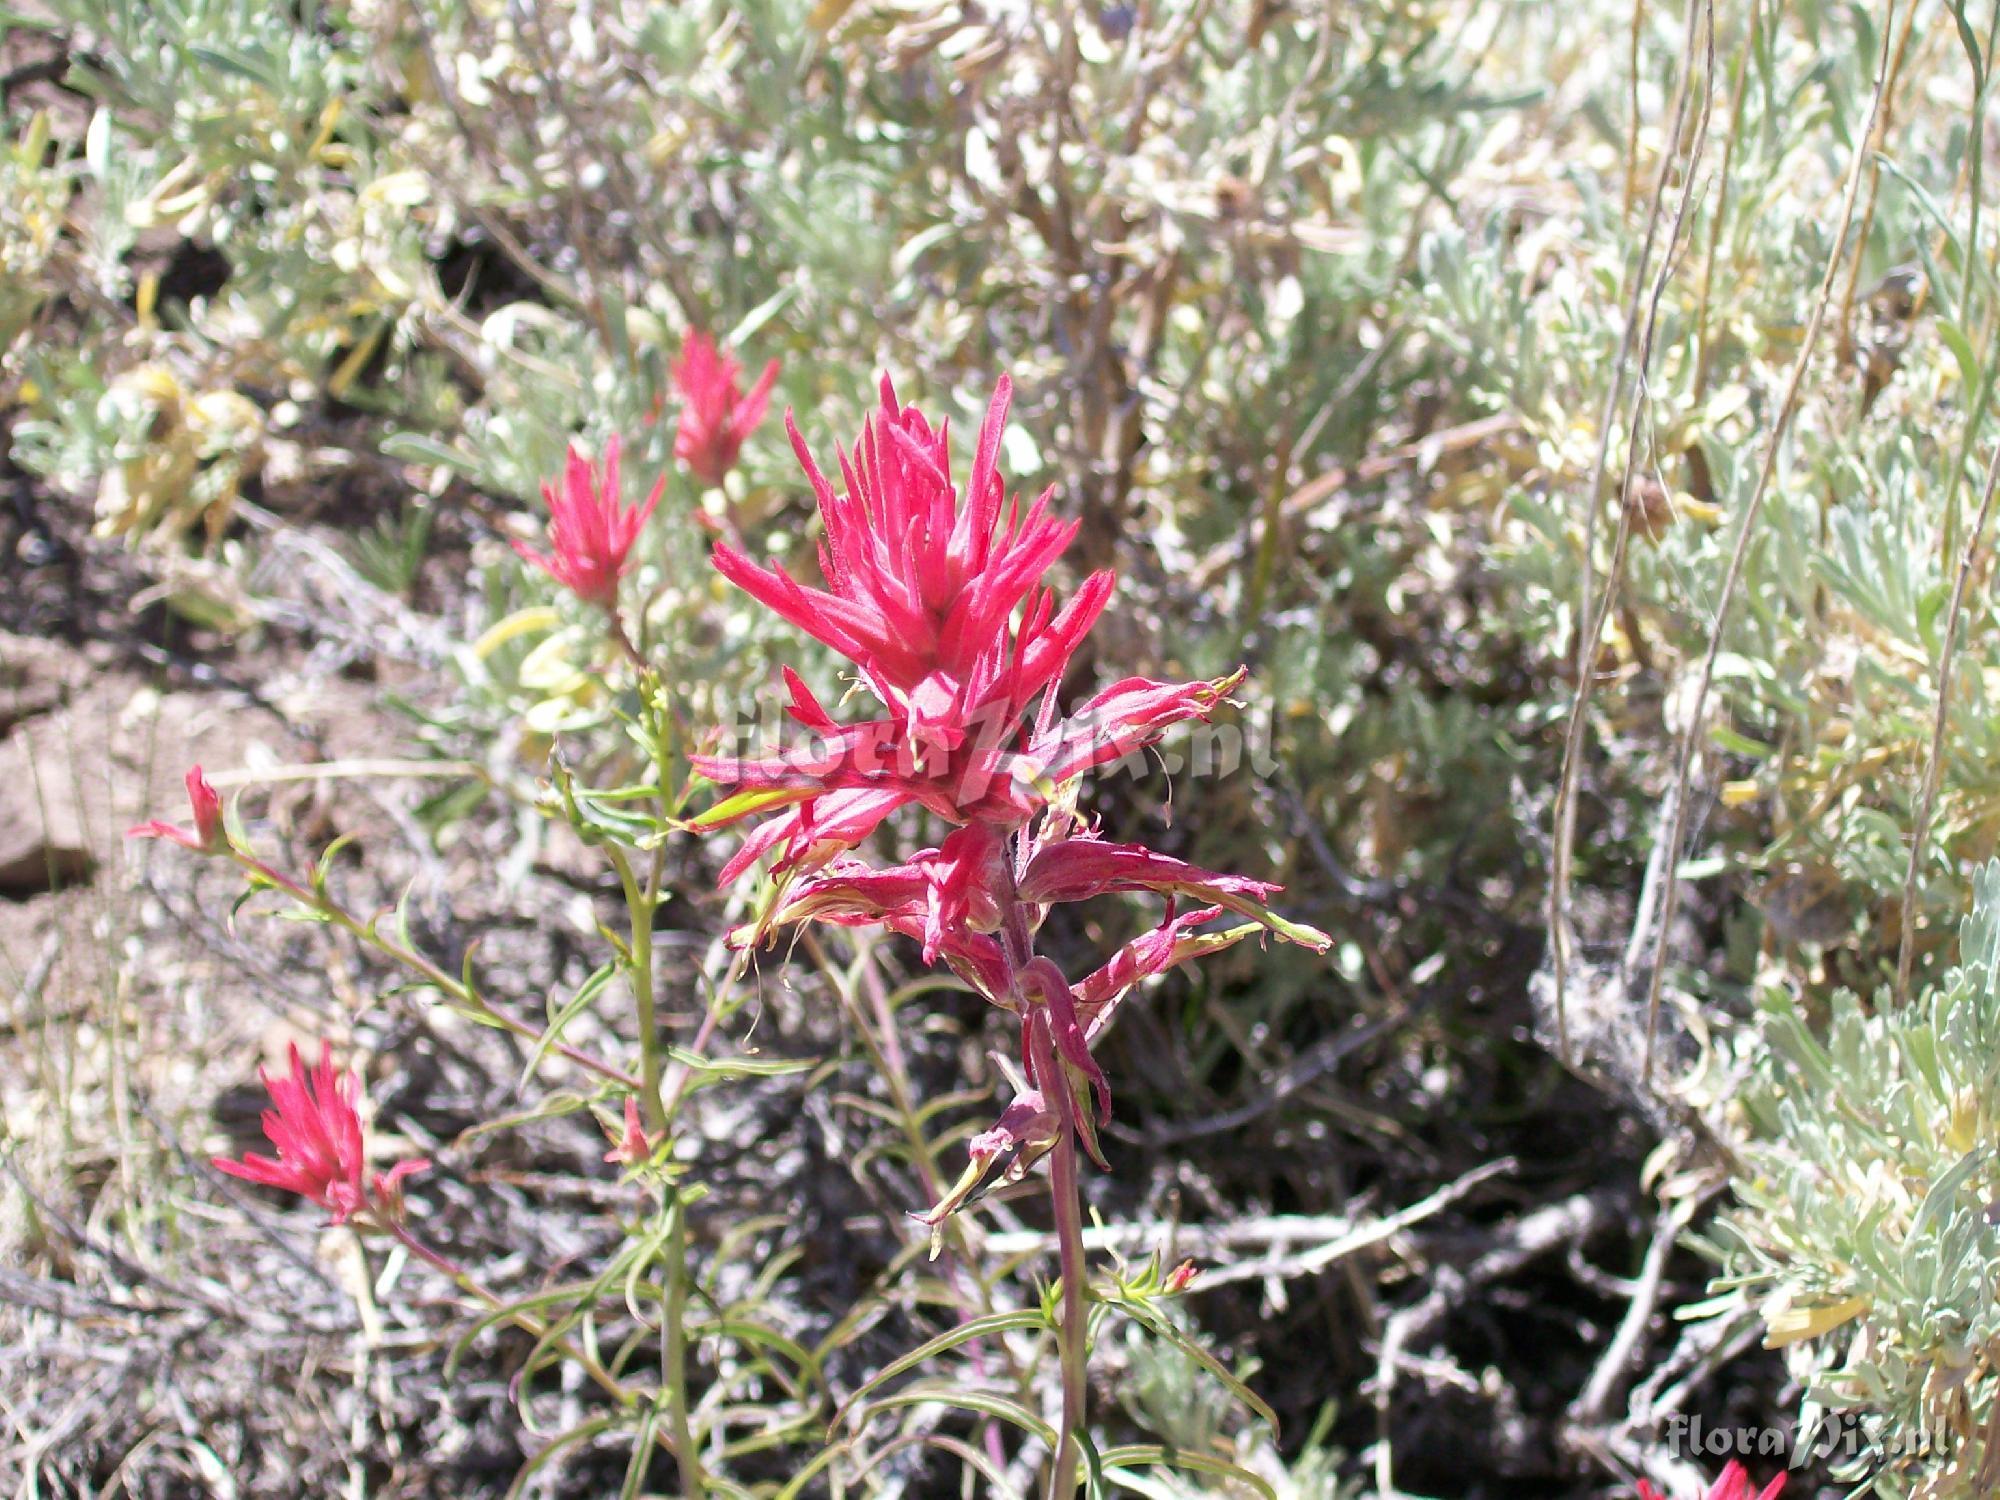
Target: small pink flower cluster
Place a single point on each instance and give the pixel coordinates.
(938, 597)
(315, 1125)
(314, 1122)
(591, 531)
(207, 835)
(716, 414)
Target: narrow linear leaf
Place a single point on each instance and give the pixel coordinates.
(965, 1333)
(1159, 1456)
(987, 1403)
(555, 1450)
(1165, 1328)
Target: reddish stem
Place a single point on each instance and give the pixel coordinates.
(427, 1255)
(623, 642)
(1066, 1203)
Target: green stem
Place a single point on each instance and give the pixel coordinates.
(640, 903)
(673, 1355)
(1066, 1204)
(452, 988)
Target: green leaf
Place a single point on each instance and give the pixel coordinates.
(1159, 1324)
(1159, 1455)
(951, 1338)
(1969, 40)
(962, 1398)
(420, 448)
(552, 1108)
(761, 314)
(744, 805)
(1739, 744)
(758, 1336)
(1921, 196)
(1961, 350)
(586, 992)
(228, 60)
(912, 249)
(642, 1449)
(323, 867)
(799, 1480)
(555, 1449)
(1938, 1199)
(506, 1312)
(741, 1067)
(1705, 868)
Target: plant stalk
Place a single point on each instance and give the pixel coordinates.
(1066, 1203)
(673, 1355)
(426, 970)
(640, 903)
(623, 642)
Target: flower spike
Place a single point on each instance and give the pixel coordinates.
(315, 1126)
(717, 415)
(938, 595)
(635, 1146)
(591, 531)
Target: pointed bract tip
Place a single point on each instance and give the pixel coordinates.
(207, 836)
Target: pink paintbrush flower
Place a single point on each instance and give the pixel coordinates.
(923, 585)
(1734, 1484)
(937, 595)
(717, 414)
(635, 1146)
(315, 1125)
(591, 532)
(1173, 942)
(207, 836)
(1079, 868)
(1023, 1133)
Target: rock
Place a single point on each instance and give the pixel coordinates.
(36, 676)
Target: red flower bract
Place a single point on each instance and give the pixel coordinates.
(591, 532)
(921, 586)
(716, 415)
(941, 606)
(634, 1146)
(207, 836)
(1734, 1484)
(315, 1125)
(937, 595)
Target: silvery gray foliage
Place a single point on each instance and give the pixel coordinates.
(1865, 1228)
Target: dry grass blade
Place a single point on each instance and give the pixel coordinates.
(1596, 612)
(1940, 719)
(1696, 709)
